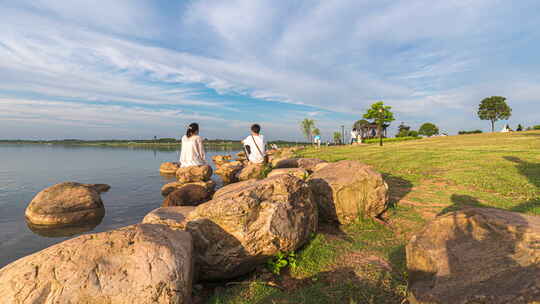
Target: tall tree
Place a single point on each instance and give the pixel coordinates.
(337, 137)
(494, 108)
(428, 129)
(307, 126)
(380, 114)
(316, 132)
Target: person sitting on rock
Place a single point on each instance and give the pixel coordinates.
(254, 145)
(192, 148)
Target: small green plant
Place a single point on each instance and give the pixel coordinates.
(280, 261)
(267, 169)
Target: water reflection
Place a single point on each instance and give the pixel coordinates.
(64, 231)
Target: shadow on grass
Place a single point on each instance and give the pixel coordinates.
(398, 188)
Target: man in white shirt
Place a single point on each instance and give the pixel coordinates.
(255, 145)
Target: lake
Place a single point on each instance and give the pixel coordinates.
(132, 173)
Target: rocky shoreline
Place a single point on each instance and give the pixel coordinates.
(200, 235)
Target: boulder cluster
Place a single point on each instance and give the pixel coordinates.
(197, 235)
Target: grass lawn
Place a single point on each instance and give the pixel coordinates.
(365, 262)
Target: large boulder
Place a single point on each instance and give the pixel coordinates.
(142, 263)
(234, 187)
(173, 217)
(190, 194)
(298, 172)
(67, 203)
(478, 255)
(308, 164)
(228, 171)
(170, 187)
(194, 174)
(169, 168)
(347, 190)
(241, 229)
(251, 171)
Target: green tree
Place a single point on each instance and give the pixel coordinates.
(403, 130)
(337, 137)
(494, 108)
(316, 132)
(359, 124)
(307, 126)
(519, 128)
(428, 129)
(380, 114)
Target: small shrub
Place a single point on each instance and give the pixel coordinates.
(280, 261)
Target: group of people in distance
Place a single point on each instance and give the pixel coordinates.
(193, 153)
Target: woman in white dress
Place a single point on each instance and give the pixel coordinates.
(192, 153)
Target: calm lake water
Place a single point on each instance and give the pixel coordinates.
(132, 173)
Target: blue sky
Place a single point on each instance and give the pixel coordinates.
(138, 69)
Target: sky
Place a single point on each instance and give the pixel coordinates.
(133, 69)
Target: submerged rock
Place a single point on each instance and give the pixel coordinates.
(170, 187)
(221, 159)
(240, 229)
(478, 255)
(190, 194)
(347, 190)
(169, 168)
(142, 263)
(67, 203)
(194, 174)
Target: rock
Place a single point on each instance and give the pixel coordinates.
(347, 190)
(142, 263)
(194, 174)
(169, 168)
(477, 255)
(234, 187)
(174, 217)
(305, 163)
(67, 203)
(320, 166)
(190, 194)
(170, 187)
(221, 159)
(241, 229)
(228, 171)
(251, 171)
(298, 172)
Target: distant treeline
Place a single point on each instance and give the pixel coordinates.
(125, 142)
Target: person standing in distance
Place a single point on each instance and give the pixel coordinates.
(255, 146)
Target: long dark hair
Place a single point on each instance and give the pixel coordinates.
(192, 129)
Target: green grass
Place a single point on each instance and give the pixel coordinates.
(365, 262)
